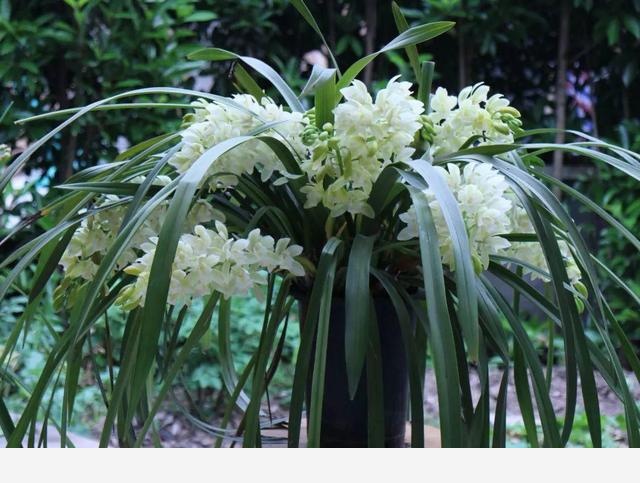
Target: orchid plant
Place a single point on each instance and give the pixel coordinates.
(424, 198)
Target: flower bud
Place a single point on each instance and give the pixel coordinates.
(581, 289)
(188, 119)
(509, 110)
(477, 264)
(332, 143)
(372, 148)
(501, 127)
(579, 305)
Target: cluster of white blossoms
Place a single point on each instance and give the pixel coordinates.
(490, 210)
(212, 123)
(208, 261)
(471, 115)
(347, 157)
(341, 162)
(481, 195)
(96, 234)
(531, 252)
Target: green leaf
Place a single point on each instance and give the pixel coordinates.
(109, 188)
(402, 25)
(246, 82)
(357, 316)
(500, 416)
(227, 369)
(315, 307)
(231, 405)
(320, 309)
(575, 340)
(464, 270)
(375, 390)
(441, 335)
(524, 396)
(303, 10)
(215, 54)
(594, 207)
(412, 36)
(319, 75)
(160, 274)
(273, 315)
(6, 423)
(613, 31)
(146, 185)
(325, 100)
(64, 113)
(22, 159)
(147, 146)
(200, 16)
(632, 24)
(545, 409)
(424, 84)
(415, 380)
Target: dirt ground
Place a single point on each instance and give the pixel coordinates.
(609, 403)
(176, 431)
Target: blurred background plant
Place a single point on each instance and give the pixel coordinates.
(566, 63)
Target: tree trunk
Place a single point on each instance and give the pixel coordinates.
(463, 56)
(371, 20)
(68, 155)
(332, 24)
(561, 88)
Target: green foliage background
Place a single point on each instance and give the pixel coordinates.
(58, 54)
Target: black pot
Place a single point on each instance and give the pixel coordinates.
(344, 421)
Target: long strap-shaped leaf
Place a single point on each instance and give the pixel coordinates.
(415, 381)
(546, 198)
(412, 36)
(318, 76)
(496, 335)
(6, 423)
(64, 113)
(464, 271)
(326, 274)
(441, 335)
(575, 340)
(304, 11)
(412, 51)
(573, 335)
(215, 54)
(227, 369)
(608, 366)
(325, 100)
(632, 169)
(328, 259)
(375, 384)
(21, 160)
(592, 206)
(274, 314)
(201, 327)
(157, 291)
(357, 316)
(160, 274)
(594, 142)
(547, 415)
